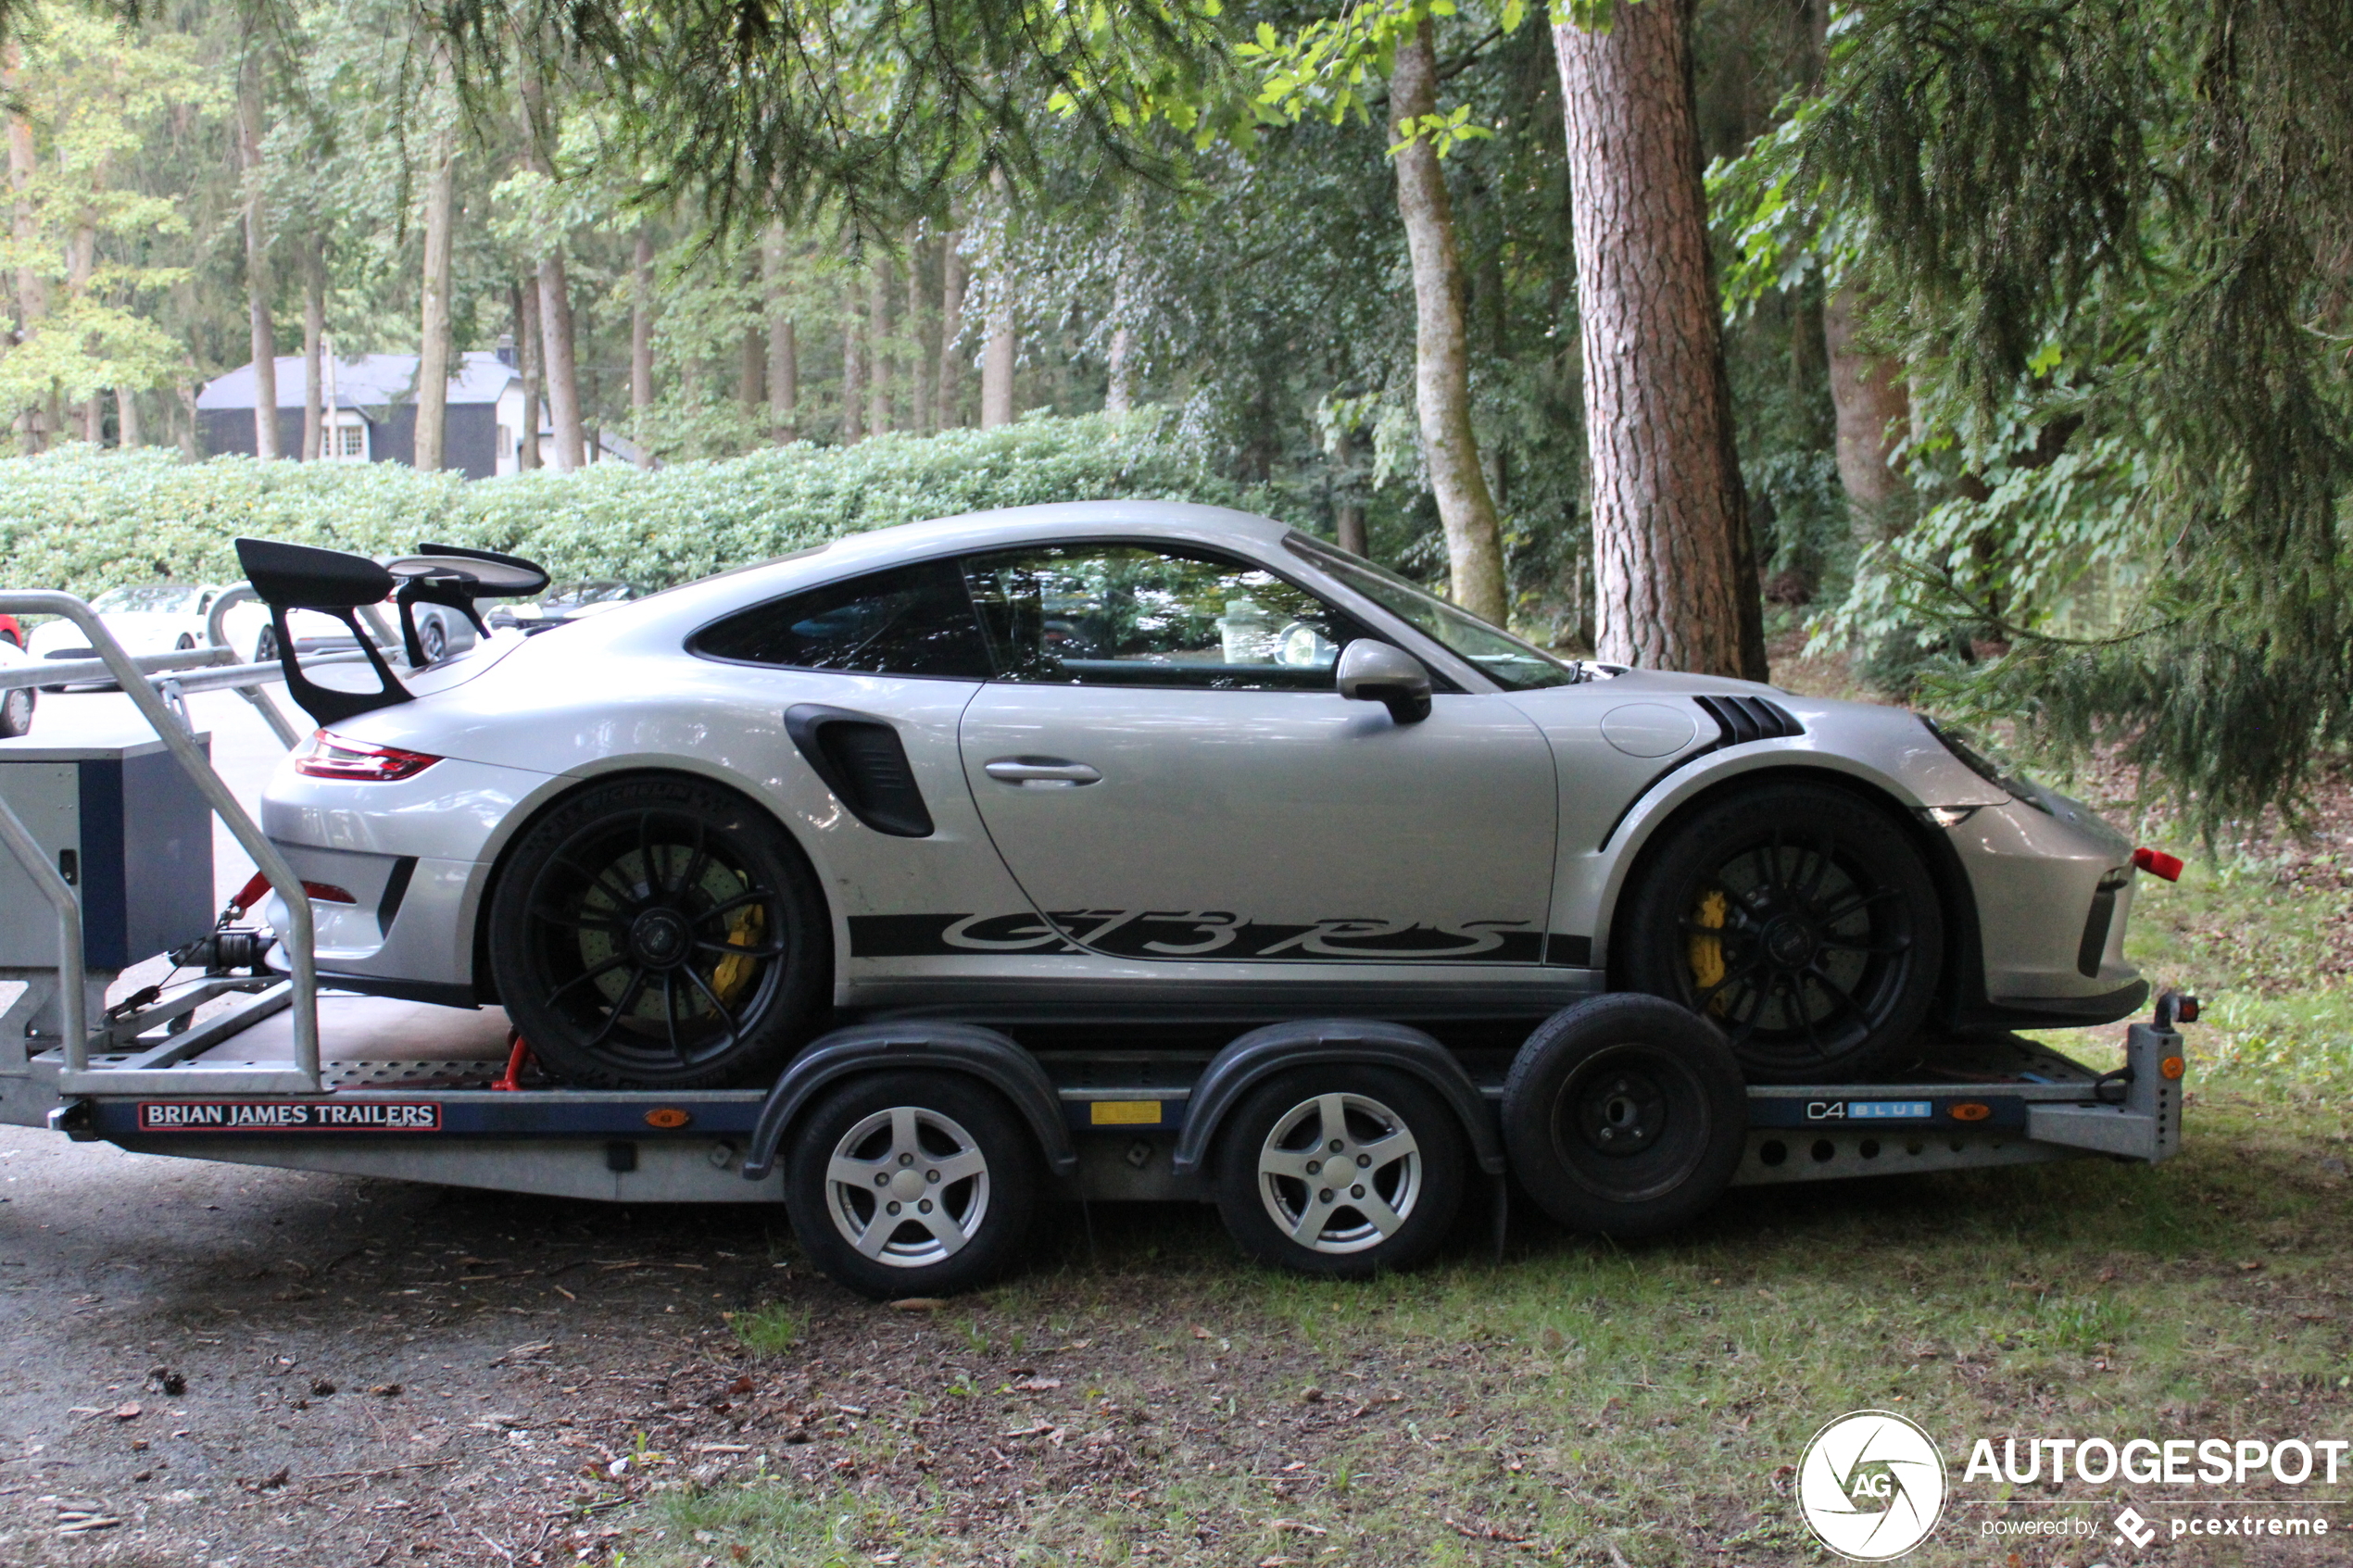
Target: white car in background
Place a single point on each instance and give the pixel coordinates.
(164, 617)
(16, 704)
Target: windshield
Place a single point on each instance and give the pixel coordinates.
(147, 599)
(1504, 658)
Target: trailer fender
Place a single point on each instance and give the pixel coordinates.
(1237, 1068)
(883, 1047)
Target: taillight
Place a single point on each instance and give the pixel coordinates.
(329, 756)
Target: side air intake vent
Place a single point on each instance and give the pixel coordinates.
(863, 762)
(1744, 719)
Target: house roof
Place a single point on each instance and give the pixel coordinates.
(367, 380)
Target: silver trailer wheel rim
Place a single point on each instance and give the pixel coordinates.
(1340, 1174)
(907, 1187)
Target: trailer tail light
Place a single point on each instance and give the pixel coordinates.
(329, 756)
(327, 893)
(2156, 862)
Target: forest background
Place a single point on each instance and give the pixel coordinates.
(2032, 317)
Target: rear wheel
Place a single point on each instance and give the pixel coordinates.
(658, 933)
(1799, 918)
(912, 1184)
(16, 712)
(1340, 1171)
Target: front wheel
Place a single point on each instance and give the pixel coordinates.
(1802, 922)
(912, 1184)
(1340, 1171)
(658, 933)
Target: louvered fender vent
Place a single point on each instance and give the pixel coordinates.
(863, 762)
(1744, 719)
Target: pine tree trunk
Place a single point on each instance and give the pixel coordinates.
(1675, 569)
(1441, 354)
(751, 374)
(920, 329)
(878, 409)
(853, 368)
(32, 287)
(82, 261)
(314, 330)
(1874, 409)
(996, 363)
(955, 275)
(525, 302)
(1350, 528)
(641, 325)
(784, 359)
(432, 353)
(563, 378)
(258, 290)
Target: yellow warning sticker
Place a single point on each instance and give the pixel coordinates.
(1124, 1112)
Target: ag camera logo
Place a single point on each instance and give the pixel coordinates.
(1871, 1486)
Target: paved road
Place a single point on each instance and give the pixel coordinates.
(167, 1328)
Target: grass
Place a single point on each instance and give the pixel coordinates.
(1144, 1398)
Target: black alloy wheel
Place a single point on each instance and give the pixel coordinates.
(658, 933)
(1800, 920)
(1625, 1115)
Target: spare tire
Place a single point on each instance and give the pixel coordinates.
(1625, 1115)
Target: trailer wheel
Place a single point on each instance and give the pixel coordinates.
(1340, 1171)
(1625, 1115)
(912, 1184)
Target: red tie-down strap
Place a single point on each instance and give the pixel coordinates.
(252, 893)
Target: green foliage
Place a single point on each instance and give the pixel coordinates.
(84, 520)
(2109, 238)
(771, 1330)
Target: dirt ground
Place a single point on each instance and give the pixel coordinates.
(208, 1364)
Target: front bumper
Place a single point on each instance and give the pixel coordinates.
(2052, 895)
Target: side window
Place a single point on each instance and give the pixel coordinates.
(1140, 616)
(909, 621)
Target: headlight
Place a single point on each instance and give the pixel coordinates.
(2001, 777)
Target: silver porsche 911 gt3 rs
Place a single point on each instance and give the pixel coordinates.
(1120, 762)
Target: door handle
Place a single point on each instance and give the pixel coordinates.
(1051, 772)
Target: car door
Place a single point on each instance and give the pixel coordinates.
(1169, 772)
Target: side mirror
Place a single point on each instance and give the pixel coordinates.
(1376, 672)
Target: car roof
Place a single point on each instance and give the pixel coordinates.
(1181, 521)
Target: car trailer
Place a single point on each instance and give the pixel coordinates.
(911, 1153)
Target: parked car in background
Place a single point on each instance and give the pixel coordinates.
(567, 602)
(11, 632)
(16, 707)
(164, 617)
(144, 617)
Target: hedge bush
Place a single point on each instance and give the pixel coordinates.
(85, 520)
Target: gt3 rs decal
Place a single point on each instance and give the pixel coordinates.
(1193, 934)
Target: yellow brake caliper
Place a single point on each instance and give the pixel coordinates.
(736, 970)
(1707, 952)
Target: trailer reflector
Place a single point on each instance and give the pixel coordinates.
(1124, 1112)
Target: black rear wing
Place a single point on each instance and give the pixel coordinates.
(338, 583)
